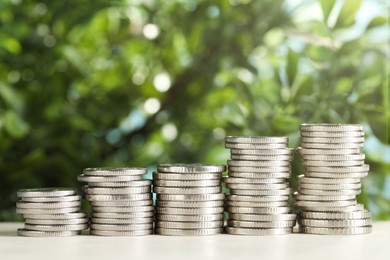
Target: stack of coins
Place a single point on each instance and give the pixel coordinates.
(121, 200)
(327, 191)
(259, 192)
(51, 212)
(189, 199)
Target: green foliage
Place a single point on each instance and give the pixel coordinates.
(137, 83)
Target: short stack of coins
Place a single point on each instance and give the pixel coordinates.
(122, 202)
(334, 166)
(51, 212)
(258, 175)
(189, 199)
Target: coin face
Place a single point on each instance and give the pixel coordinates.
(256, 139)
(107, 171)
(191, 168)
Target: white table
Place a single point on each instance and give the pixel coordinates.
(375, 246)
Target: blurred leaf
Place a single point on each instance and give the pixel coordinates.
(380, 128)
(285, 123)
(326, 6)
(11, 45)
(304, 89)
(9, 96)
(377, 21)
(292, 66)
(14, 125)
(348, 12)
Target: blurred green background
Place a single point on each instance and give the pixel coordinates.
(142, 82)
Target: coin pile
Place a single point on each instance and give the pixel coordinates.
(257, 179)
(189, 199)
(51, 212)
(327, 191)
(121, 200)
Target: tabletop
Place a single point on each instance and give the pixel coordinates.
(295, 246)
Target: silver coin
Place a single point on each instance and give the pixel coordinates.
(261, 192)
(117, 184)
(190, 168)
(263, 152)
(353, 208)
(187, 176)
(361, 214)
(264, 210)
(263, 217)
(47, 205)
(117, 191)
(363, 168)
(186, 190)
(123, 209)
(190, 197)
(305, 179)
(320, 198)
(47, 211)
(118, 221)
(181, 183)
(338, 203)
(127, 197)
(33, 233)
(337, 175)
(332, 134)
(257, 198)
(244, 157)
(258, 163)
(331, 127)
(64, 216)
(335, 223)
(257, 231)
(189, 211)
(128, 203)
(332, 163)
(46, 192)
(260, 175)
(122, 227)
(71, 221)
(111, 233)
(341, 186)
(304, 151)
(111, 215)
(262, 224)
(256, 139)
(328, 192)
(107, 171)
(85, 178)
(190, 204)
(189, 225)
(332, 146)
(256, 204)
(336, 231)
(349, 157)
(268, 186)
(189, 218)
(51, 199)
(56, 228)
(259, 169)
(256, 146)
(234, 180)
(332, 140)
(188, 232)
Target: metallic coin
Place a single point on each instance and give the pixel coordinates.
(72, 221)
(332, 146)
(123, 209)
(350, 157)
(46, 192)
(85, 178)
(189, 218)
(186, 190)
(336, 223)
(256, 139)
(56, 228)
(357, 207)
(127, 197)
(190, 168)
(190, 197)
(258, 163)
(257, 198)
(187, 176)
(234, 180)
(112, 233)
(181, 183)
(258, 232)
(188, 232)
(263, 224)
(47, 205)
(240, 157)
(256, 146)
(342, 186)
(119, 221)
(51, 199)
(141, 183)
(261, 192)
(106, 171)
(321, 198)
(363, 168)
(260, 175)
(259, 169)
(33, 233)
(189, 225)
(256, 204)
(361, 214)
(264, 210)
(117, 191)
(333, 140)
(336, 231)
(305, 179)
(128, 203)
(268, 186)
(328, 192)
(189, 211)
(330, 175)
(263, 152)
(74, 215)
(331, 127)
(332, 134)
(304, 151)
(122, 227)
(190, 204)
(311, 204)
(111, 215)
(332, 163)
(263, 217)
(47, 211)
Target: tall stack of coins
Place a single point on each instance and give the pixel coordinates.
(327, 191)
(51, 212)
(121, 200)
(189, 199)
(257, 178)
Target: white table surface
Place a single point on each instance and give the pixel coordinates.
(375, 246)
